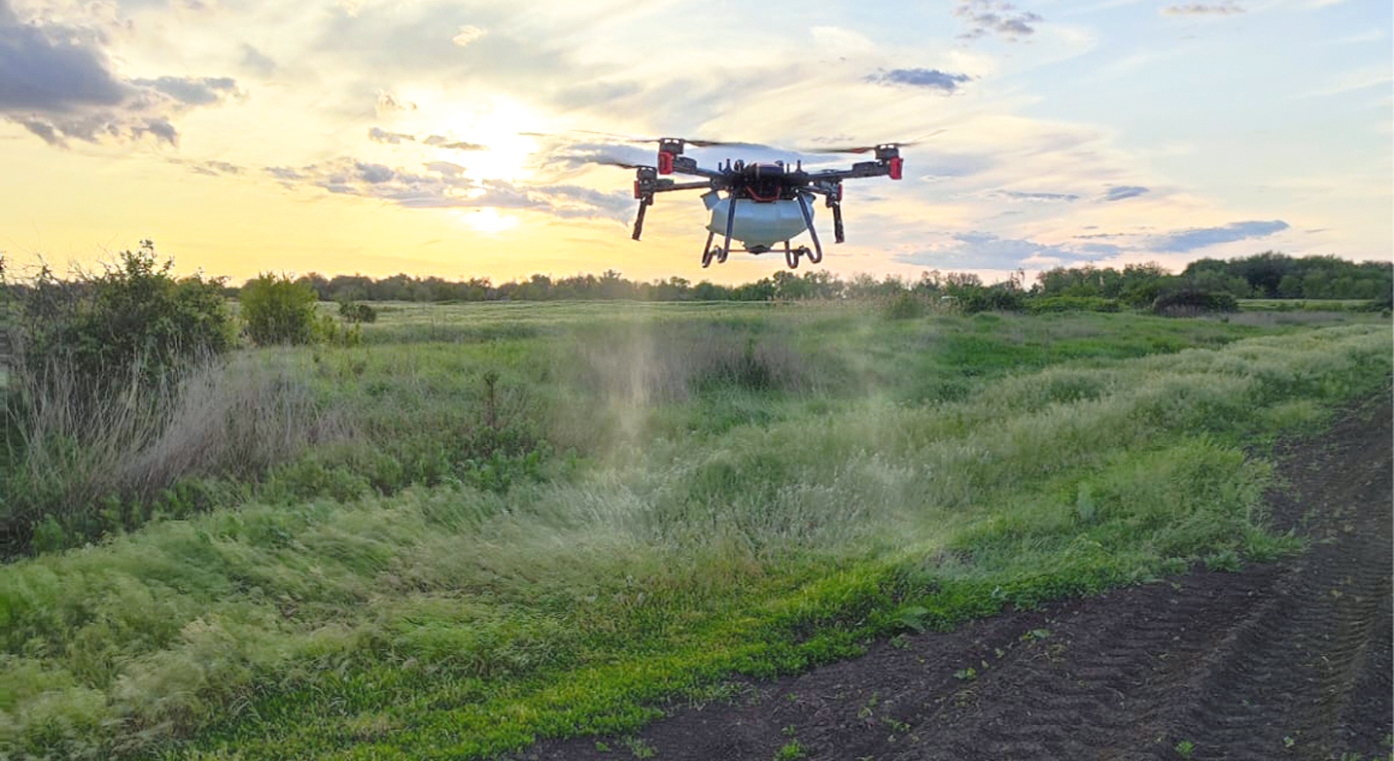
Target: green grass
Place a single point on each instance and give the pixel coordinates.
(1304, 305)
(651, 499)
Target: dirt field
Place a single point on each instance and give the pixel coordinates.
(1283, 661)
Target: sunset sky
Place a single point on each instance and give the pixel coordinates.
(445, 138)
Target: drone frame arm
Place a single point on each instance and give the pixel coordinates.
(887, 164)
(646, 185)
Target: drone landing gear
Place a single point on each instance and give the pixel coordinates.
(718, 253)
(792, 255)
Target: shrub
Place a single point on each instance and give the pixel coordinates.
(993, 298)
(351, 311)
(134, 318)
(907, 306)
(278, 310)
(1194, 301)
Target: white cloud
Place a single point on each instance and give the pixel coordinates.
(468, 33)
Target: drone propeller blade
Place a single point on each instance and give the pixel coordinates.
(869, 148)
(616, 136)
(858, 149)
(607, 161)
(713, 143)
(695, 142)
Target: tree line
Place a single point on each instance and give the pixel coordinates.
(1265, 275)
(1269, 275)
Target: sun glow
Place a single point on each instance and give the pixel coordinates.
(497, 128)
(486, 219)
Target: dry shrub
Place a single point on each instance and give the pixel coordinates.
(236, 419)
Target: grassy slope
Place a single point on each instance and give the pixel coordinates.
(751, 490)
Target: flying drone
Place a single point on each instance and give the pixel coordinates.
(758, 204)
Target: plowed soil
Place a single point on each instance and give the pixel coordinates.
(1289, 660)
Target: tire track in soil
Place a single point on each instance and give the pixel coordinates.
(1232, 662)
(1306, 676)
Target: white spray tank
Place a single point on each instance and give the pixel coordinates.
(757, 223)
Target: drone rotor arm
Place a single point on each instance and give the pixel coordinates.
(645, 187)
(669, 185)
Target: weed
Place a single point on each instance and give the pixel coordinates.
(640, 748)
(1185, 749)
(790, 750)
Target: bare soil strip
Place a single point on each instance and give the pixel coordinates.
(1287, 660)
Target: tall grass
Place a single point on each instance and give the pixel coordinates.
(74, 451)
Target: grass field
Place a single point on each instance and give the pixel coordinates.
(491, 523)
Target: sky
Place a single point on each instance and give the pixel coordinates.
(457, 138)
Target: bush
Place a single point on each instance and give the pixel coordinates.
(1189, 301)
(134, 318)
(350, 311)
(993, 298)
(278, 310)
(907, 306)
(98, 364)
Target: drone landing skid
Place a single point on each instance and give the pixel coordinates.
(791, 255)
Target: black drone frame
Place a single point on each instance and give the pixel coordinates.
(758, 183)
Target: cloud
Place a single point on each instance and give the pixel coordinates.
(986, 17)
(212, 168)
(1203, 9)
(57, 82)
(374, 174)
(283, 173)
(981, 250)
(53, 69)
(931, 78)
(440, 141)
(445, 185)
(380, 135)
(445, 167)
(193, 91)
(257, 62)
(468, 33)
(1200, 237)
(1020, 196)
(388, 103)
(1121, 192)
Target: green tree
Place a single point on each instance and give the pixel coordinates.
(277, 309)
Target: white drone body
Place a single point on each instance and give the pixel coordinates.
(757, 225)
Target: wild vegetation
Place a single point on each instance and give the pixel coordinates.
(487, 523)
